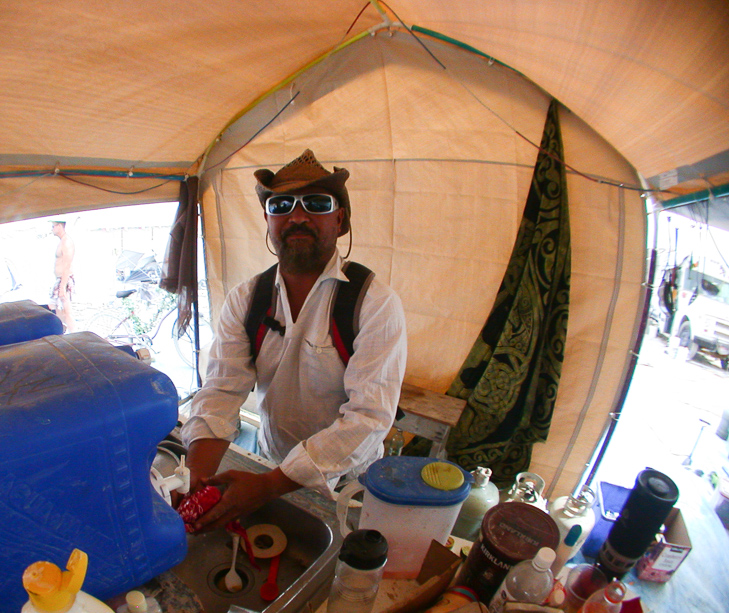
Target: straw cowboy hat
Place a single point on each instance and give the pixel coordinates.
(305, 171)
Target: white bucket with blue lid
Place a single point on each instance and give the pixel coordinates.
(411, 501)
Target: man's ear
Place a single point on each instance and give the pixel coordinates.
(341, 215)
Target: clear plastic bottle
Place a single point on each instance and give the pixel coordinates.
(607, 600)
(358, 572)
(529, 581)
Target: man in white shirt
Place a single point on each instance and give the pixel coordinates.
(321, 419)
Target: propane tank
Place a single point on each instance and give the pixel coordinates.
(575, 519)
(483, 496)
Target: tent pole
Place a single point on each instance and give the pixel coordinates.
(635, 353)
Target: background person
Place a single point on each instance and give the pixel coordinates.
(320, 420)
(62, 291)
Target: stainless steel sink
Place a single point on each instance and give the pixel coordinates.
(306, 565)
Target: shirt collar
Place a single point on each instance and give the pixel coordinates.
(333, 270)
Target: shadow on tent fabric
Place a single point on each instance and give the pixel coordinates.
(512, 372)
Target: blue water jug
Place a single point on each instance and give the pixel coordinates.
(79, 426)
(25, 320)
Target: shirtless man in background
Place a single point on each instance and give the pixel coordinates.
(63, 288)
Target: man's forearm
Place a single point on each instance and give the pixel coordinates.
(204, 456)
(280, 484)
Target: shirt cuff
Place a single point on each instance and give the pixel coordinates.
(206, 426)
(298, 466)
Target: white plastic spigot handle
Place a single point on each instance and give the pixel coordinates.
(178, 481)
(183, 472)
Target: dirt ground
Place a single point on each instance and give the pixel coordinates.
(670, 417)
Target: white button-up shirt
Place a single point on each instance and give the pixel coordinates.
(319, 420)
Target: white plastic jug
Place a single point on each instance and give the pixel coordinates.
(411, 501)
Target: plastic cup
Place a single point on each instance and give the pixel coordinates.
(583, 581)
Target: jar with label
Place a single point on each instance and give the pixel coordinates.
(510, 533)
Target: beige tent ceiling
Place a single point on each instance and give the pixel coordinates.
(113, 103)
(148, 86)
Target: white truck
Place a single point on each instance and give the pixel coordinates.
(694, 307)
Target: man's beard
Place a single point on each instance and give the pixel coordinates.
(300, 257)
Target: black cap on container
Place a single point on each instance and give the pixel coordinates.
(364, 549)
(659, 485)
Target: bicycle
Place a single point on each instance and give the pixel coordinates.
(137, 320)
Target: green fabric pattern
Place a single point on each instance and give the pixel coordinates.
(511, 375)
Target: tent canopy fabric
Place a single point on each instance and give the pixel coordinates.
(93, 86)
(112, 104)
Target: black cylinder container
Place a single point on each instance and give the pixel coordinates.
(645, 510)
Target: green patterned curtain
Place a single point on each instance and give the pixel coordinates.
(511, 375)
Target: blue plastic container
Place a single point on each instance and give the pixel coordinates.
(26, 321)
(79, 426)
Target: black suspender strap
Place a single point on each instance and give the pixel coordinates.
(344, 322)
(344, 318)
(262, 308)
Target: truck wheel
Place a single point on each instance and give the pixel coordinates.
(725, 363)
(684, 335)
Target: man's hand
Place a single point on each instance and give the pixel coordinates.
(245, 492)
(203, 459)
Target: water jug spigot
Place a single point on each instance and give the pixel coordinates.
(179, 481)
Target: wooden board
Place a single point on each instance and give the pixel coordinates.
(431, 405)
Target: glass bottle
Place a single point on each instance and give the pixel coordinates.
(529, 581)
(395, 443)
(607, 600)
(358, 572)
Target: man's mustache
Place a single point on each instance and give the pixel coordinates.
(298, 229)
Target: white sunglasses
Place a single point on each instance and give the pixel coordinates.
(316, 204)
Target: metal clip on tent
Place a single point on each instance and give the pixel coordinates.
(387, 24)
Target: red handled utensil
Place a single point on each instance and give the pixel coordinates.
(269, 590)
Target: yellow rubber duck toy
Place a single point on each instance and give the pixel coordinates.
(54, 591)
